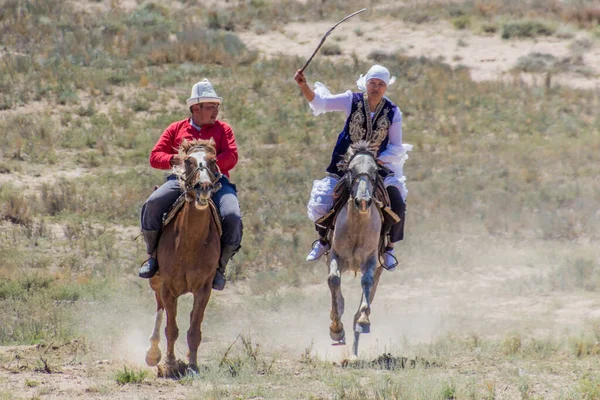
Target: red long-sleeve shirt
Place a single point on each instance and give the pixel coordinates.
(171, 138)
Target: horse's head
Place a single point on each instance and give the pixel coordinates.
(361, 173)
(200, 174)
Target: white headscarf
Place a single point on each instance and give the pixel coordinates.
(376, 71)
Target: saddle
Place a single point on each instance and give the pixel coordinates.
(172, 213)
(341, 194)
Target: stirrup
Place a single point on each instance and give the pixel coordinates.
(391, 267)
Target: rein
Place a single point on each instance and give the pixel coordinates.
(352, 181)
(213, 177)
(201, 167)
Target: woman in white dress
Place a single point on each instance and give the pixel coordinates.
(370, 116)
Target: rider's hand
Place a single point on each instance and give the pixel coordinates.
(300, 78)
(176, 160)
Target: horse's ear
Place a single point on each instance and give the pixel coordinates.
(350, 153)
(185, 145)
(212, 144)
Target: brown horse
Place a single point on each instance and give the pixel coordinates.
(188, 255)
(354, 241)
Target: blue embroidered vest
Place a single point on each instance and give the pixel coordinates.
(360, 126)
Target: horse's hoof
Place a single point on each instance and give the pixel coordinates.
(193, 371)
(351, 361)
(153, 356)
(172, 368)
(362, 328)
(338, 336)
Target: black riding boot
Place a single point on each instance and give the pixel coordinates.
(227, 252)
(150, 266)
(399, 207)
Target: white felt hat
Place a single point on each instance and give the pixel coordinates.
(203, 92)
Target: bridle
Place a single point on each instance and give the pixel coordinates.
(354, 178)
(214, 177)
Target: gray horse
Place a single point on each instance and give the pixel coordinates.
(354, 242)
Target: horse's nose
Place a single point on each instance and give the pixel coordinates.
(203, 194)
(362, 204)
(206, 190)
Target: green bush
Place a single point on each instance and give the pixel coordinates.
(461, 22)
(523, 29)
(489, 28)
(536, 62)
(127, 376)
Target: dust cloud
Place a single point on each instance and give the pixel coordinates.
(483, 288)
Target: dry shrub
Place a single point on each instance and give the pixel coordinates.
(56, 198)
(512, 345)
(578, 273)
(462, 22)
(522, 29)
(221, 19)
(588, 16)
(203, 46)
(15, 208)
(331, 49)
(583, 347)
(487, 9)
(536, 62)
(489, 28)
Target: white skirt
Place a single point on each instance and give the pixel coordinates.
(321, 195)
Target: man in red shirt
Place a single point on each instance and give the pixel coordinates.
(203, 124)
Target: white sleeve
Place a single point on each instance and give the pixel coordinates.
(324, 101)
(395, 149)
(395, 155)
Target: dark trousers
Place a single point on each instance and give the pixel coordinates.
(225, 199)
(399, 207)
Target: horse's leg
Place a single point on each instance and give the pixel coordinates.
(194, 334)
(376, 277)
(363, 324)
(153, 352)
(361, 318)
(334, 280)
(356, 331)
(171, 331)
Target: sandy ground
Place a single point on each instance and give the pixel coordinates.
(487, 57)
(481, 289)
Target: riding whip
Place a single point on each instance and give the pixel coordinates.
(327, 34)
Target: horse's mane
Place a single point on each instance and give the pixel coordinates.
(362, 146)
(186, 145)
